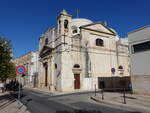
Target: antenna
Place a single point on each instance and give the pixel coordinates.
(77, 11)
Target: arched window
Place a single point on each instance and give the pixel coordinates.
(99, 42)
(120, 67)
(66, 24)
(55, 66)
(76, 66)
(46, 41)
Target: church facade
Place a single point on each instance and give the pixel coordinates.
(81, 54)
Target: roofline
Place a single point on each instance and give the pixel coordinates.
(101, 24)
(138, 29)
(26, 54)
(48, 29)
(63, 15)
(91, 24)
(126, 45)
(99, 31)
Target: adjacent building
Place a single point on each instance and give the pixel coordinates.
(139, 44)
(30, 61)
(79, 54)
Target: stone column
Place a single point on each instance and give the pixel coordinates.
(52, 74)
(40, 73)
(42, 77)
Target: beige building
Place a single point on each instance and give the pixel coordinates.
(79, 54)
(30, 61)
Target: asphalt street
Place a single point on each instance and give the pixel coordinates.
(40, 102)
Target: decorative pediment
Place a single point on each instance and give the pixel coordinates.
(99, 27)
(45, 51)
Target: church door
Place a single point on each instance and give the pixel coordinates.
(77, 81)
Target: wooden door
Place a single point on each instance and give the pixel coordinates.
(77, 81)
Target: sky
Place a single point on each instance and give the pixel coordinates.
(23, 21)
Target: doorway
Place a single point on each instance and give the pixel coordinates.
(76, 81)
(46, 74)
(101, 84)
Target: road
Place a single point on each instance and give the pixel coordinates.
(40, 102)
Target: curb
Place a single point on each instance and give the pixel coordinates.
(106, 102)
(120, 104)
(62, 93)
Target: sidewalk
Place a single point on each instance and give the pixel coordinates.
(56, 93)
(9, 104)
(132, 101)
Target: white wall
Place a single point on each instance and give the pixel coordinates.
(140, 61)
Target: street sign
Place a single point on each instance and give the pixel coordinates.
(113, 70)
(20, 69)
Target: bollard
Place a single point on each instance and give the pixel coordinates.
(124, 96)
(102, 94)
(95, 90)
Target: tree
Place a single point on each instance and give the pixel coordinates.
(7, 68)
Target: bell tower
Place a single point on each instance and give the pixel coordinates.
(64, 33)
(63, 22)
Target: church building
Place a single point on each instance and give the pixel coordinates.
(80, 54)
